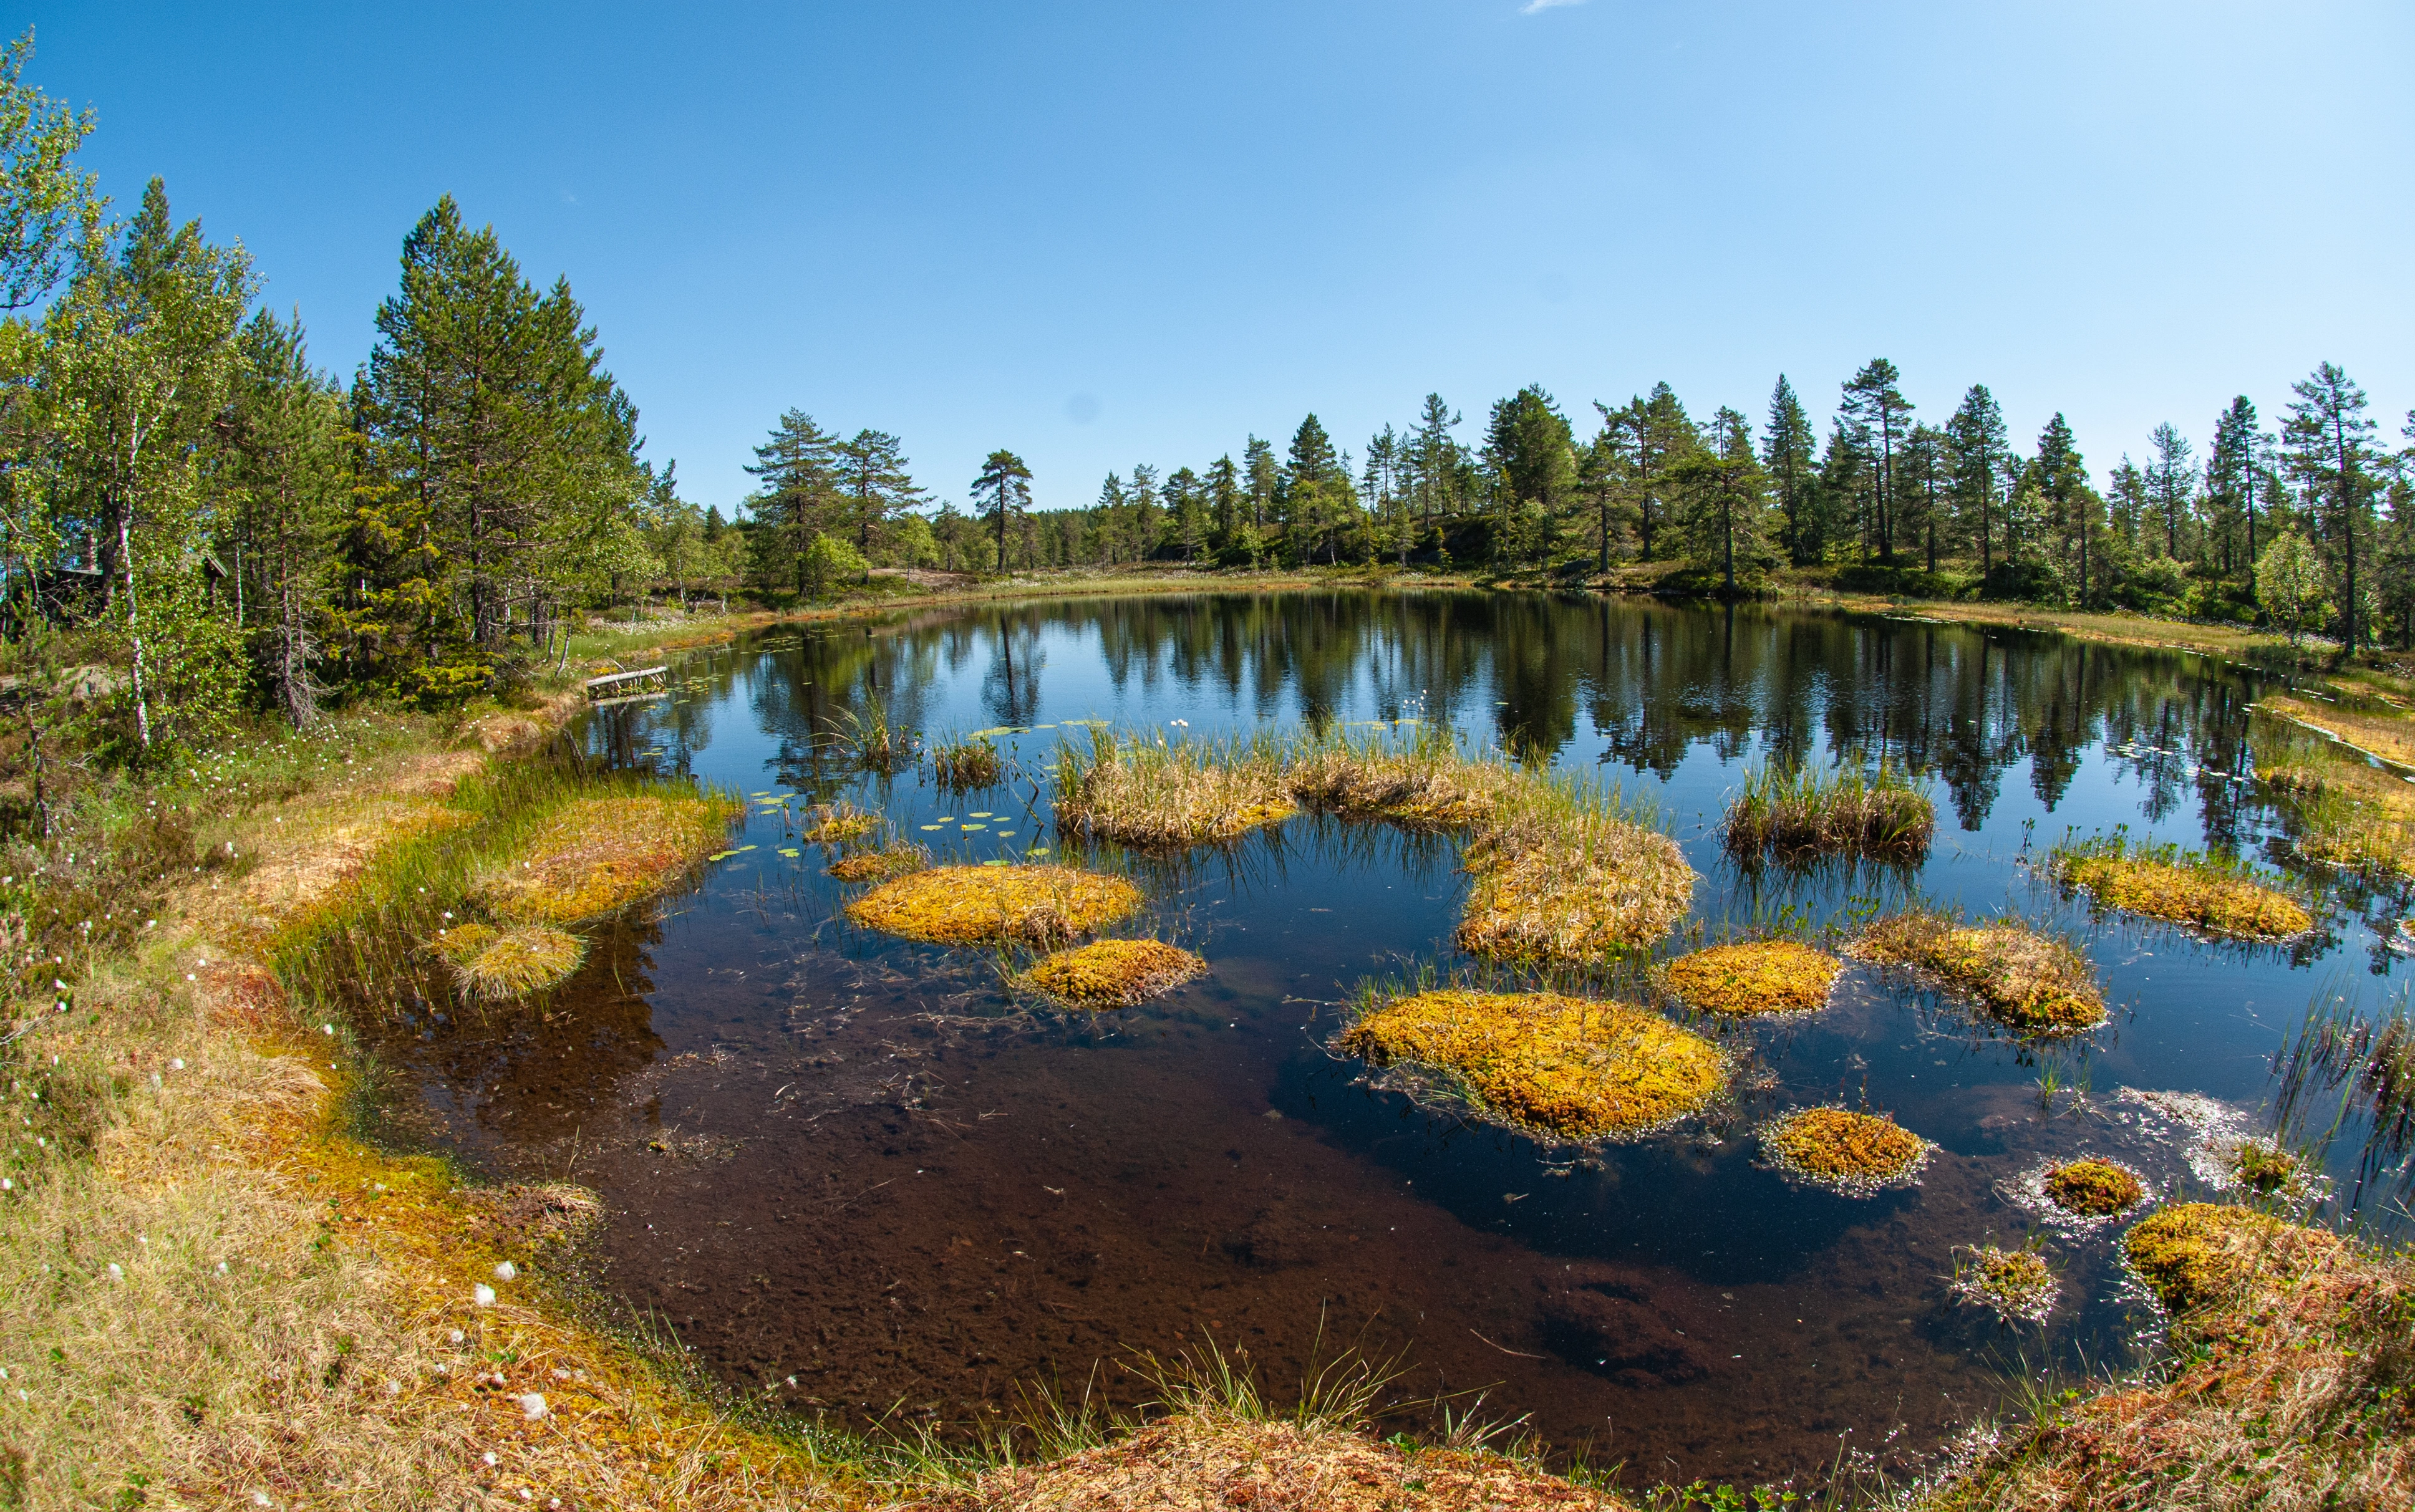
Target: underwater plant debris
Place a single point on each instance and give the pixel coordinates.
(599, 855)
(1569, 1068)
(492, 965)
(2181, 888)
(1111, 973)
(1763, 976)
(995, 905)
(1857, 1154)
(2021, 978)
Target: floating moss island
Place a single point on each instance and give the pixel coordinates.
(995, 905)
(599, 855)
(2094, 1187)
(2194, 1254)
(880, 865)
(493, 965)
(2016, 1285)
(1111, 973)
(1565, 1069)
(1763, 978)
(1152, 792)
(1856, 1154)
(2026, 981)
(2180, 888)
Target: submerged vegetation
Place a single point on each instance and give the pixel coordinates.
(2024, 980)
(1857, 1154)
(995, 905)
(1146, 790)
(1762, 977)
(493, 965)
(2094, 1187)
(1110, 973)
(1564, 1067)
(596, 856)
(2208, 893)
(2016, 1285)
(1794, 812)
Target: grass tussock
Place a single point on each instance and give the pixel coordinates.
(596, 856)
(900, 859)
(962, 766)
(494, 966)
(1111, 973)
(1857, 1154)
(2289, 1386)
(2094, 1187)
(1148, 791)
(995, 905)
(1795, 812)
(2183, 887)
(1760, 978)
(836, 824)
(2348, 813)
(2016, 1285)
(1569, 1069)
(2026, 981)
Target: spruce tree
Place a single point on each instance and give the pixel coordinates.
(1786, 457)
(1225, 500)
(291, 474)
(1977, 440)
(2329, 447)
(2230, 480)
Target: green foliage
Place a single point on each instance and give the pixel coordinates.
(2289, 584)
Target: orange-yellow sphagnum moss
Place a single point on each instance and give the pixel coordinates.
(1763, 976)
(1111, 973)
(1854, 1153)
(2186, 895)
(2029, 981)
(1570, 1068)
(995, 905)
(2094, 1187)
(880, 865)
(2196, 1254)
(599, 855)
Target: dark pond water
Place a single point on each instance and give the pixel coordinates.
(854, 1177)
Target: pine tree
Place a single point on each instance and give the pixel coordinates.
(2329, 442)
(1786, 457)
(1225, 500)
(1658, 435)
(1874, 398)
(1534, 452)
(1265, 479)
(1435, 459)
(290, 472)
(1977, 440)
(875, 486)
(1922, 469)
(799, 496)
(1003, 491)
(1726, 496)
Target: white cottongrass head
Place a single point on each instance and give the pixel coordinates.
(483, 1295)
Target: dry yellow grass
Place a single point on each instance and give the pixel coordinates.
(2183, 890)
(1212, 1460)
(495, 965)
(2022, 979)
(1425, 787)
(1146, 791)
(1567, 1068)
(1854, 1153)
(595, 856)
(995, 905)
(1761, 977)
(1111, 973)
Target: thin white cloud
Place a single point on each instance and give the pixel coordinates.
(1532, 6)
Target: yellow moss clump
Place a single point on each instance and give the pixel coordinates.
(2196, 1254)
(2016, 1285)
(2186, 893)
(880, 865)
(1111, 973)
(495, 965)
(599, 855)
(1765, 976)
(2017, 976)
(2094, 1187)
(995, 905)
(1568, 1068)
(1854, 1153)
(835, 823)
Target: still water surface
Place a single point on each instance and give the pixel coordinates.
(851, 1174)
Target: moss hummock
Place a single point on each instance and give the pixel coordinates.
(995, 905)
(493, 965)
(880, 865)
(1761, 977)
(2094, 1187)
(2181, 888)
(599, 855)
(1857, 1154)
(832, 824)
(2016, 1285)
(2021, 978)
(1111, 973)
(2196, 1254)
(1567, 1067)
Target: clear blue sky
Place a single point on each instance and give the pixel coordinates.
(1108, 234)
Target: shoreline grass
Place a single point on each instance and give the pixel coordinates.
(2205, 891)
(2026, 981)
(1156, 794)
(1796, 812)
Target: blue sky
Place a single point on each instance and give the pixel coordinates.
(1107, 234)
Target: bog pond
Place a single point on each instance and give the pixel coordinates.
(860, 1178)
